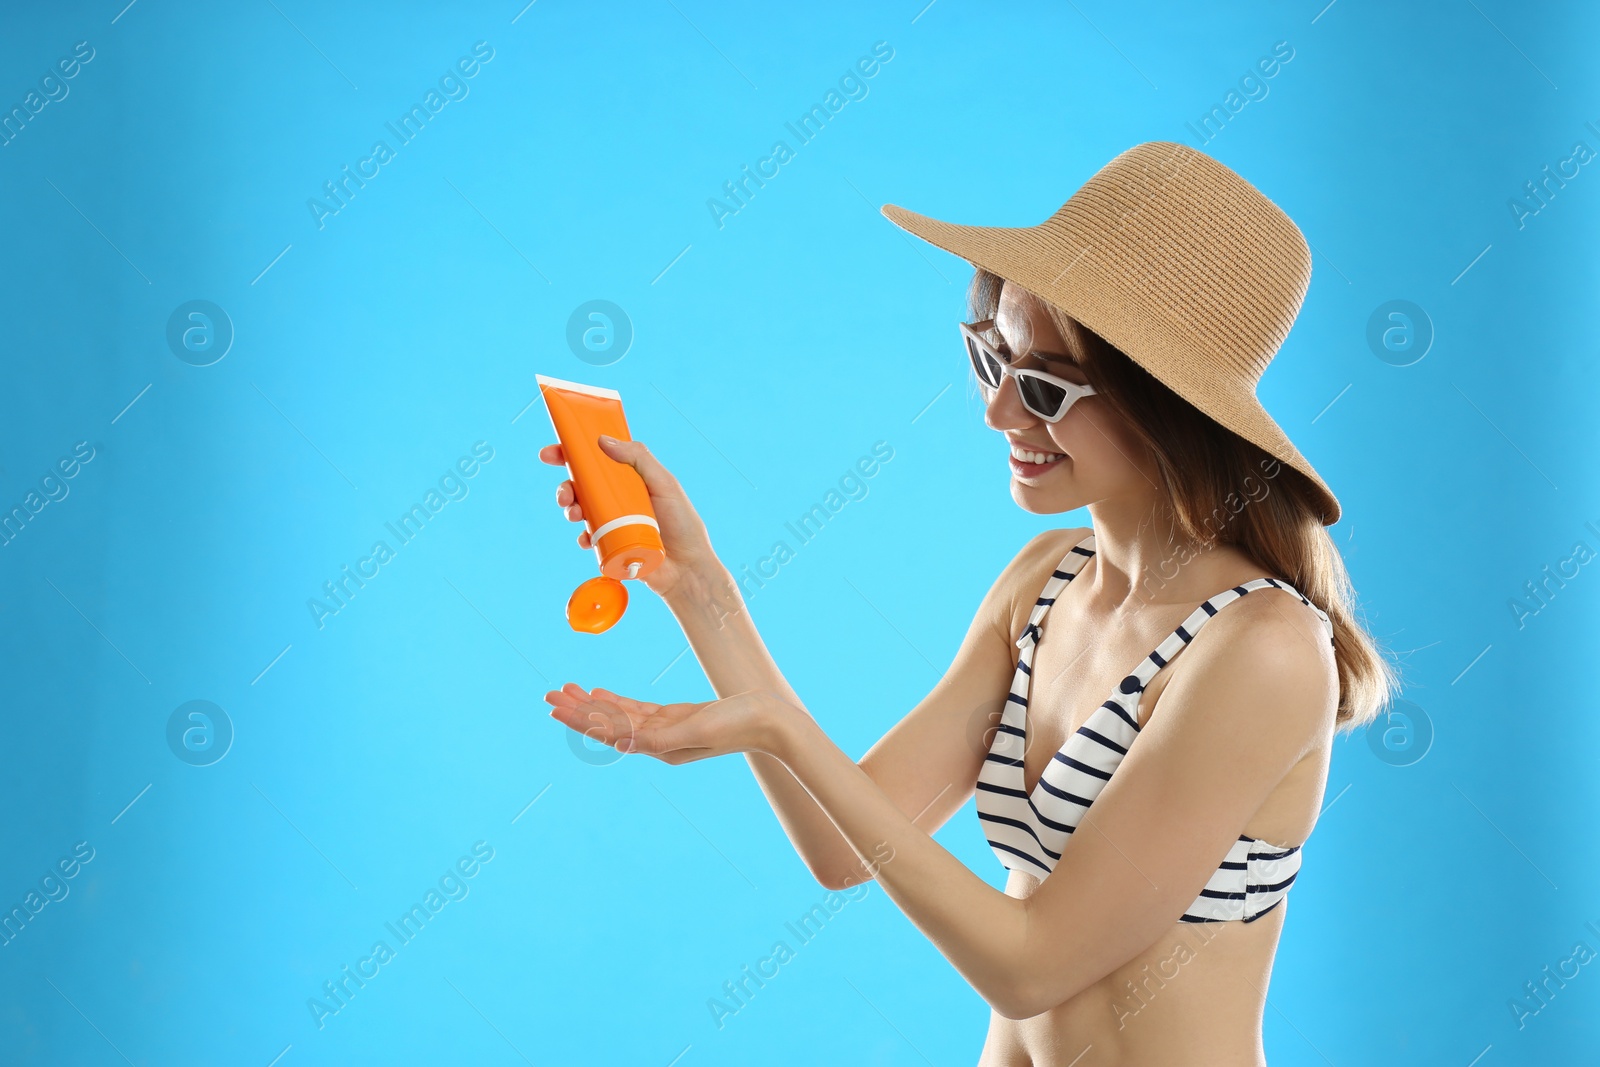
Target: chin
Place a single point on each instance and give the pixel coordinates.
(1035, 502)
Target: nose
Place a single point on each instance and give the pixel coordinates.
(1005, 410)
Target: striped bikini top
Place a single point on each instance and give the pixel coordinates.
(1028, 832)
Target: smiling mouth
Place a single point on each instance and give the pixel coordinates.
(1027, 455)
(1029, 463)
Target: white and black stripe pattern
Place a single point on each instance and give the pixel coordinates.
(1028, 832)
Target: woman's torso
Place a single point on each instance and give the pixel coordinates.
(1197, 994)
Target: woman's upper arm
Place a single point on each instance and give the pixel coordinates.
(928, 762)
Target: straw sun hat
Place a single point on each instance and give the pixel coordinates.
(1178, 262)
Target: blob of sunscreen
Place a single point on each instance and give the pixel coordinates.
(596, 605)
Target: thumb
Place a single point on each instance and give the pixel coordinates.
(638, 456)
(617, 448)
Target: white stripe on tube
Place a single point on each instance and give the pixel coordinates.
(625, 520)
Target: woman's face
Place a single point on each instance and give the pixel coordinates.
(1090, 454)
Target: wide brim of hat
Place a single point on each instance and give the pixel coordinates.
(1013, 253)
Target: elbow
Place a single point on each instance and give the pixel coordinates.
(1026, 983)
(1023, 996)
(837, 881)
(840, 872)
(858, 872)
(1014, 1004)
(833, 877)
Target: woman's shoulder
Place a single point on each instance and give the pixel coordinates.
(1025, 576)
(1051, 546)
(1037, 560)
(1274, 637)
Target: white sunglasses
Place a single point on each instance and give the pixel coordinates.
(1046, 395)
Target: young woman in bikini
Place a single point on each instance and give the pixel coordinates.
(1147, 881)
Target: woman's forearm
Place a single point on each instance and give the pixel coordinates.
(713, 616)
(980, 930)
(711, 611)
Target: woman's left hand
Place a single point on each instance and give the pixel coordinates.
(672, 733)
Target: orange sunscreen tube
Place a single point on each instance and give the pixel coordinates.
(616, 505)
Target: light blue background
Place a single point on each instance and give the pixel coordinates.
(770, 354)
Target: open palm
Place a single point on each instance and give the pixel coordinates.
(672, 733)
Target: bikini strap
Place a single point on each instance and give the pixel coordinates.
(1179, 638)
(1065, 571)
(1278, 583)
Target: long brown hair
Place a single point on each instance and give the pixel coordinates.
(1203, 467)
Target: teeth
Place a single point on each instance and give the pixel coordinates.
(1034, 457)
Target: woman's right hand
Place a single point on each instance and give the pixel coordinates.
(683, 534)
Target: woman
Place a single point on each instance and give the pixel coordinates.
(1118, 345)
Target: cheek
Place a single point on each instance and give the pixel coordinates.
(1083, 430)
(1096, 438)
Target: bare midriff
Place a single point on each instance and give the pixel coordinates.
(1193, 997)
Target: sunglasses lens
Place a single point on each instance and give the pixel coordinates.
(1041, 397)
(988, 370)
